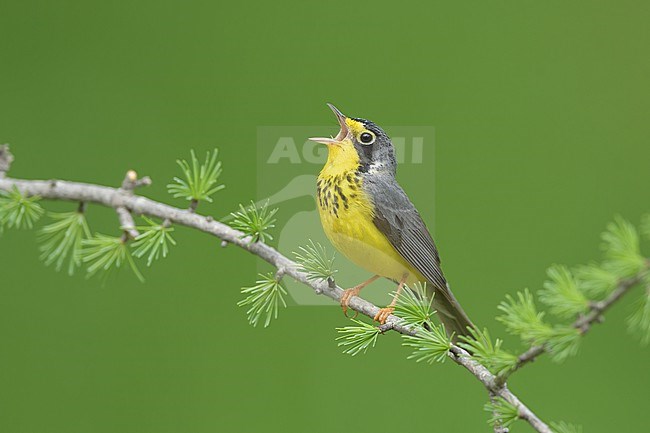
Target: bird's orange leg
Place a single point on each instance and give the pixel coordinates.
(383, 313)
(354, 291)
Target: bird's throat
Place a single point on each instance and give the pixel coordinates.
(341, 159)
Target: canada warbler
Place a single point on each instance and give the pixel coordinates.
(369, 218)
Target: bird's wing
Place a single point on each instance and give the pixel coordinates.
(396, 217)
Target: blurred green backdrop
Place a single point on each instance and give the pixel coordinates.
(541, 119)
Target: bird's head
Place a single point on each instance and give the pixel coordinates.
(359, 143)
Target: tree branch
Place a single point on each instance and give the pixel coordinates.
(495, 388)
(116, 197)
(129, 184)
(120, 198)
(127, 223)
(597, 309)
(584, 323)
(6, 158)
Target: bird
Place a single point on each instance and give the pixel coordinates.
(368, 217)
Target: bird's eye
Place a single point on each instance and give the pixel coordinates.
(367, 138)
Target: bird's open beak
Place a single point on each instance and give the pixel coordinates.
(342, 133)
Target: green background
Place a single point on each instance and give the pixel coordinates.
(541, 118)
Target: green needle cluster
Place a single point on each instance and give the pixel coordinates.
(263, 299)
(357, 339)
(255, 221)
(103, 254)
(491, 355)
(314, 260)
(63, 239)
(200, 181)
(154, 240)
(19, 211)
(428, 345)
(503, 412)
(414, 306)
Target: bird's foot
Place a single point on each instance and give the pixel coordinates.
(347, 295)
(383, 314)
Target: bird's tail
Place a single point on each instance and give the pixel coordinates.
(450, 313)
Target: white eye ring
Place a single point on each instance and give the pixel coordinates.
(367, 138)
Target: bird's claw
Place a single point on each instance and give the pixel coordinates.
(345, 300)
(345, 311)
(383, 314)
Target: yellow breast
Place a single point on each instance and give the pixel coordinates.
(347, 217)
